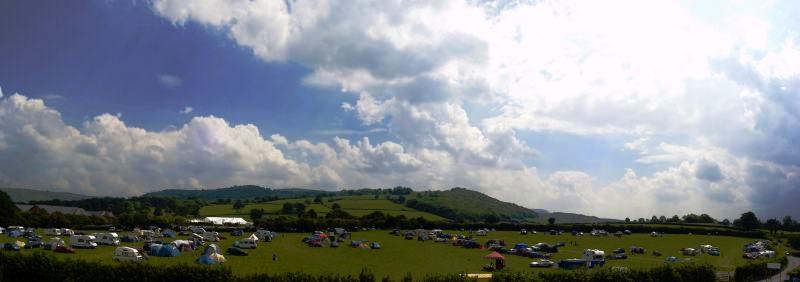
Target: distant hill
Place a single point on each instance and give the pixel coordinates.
(565, 217)
(468, 205)
(19, 195)
(235, 193)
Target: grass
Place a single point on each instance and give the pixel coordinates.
(354, 205)
(399, 256)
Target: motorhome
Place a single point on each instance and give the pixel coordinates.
(67, 232)
(594, 257)
(107, 238)
(82, 241)
(127, 254)
(247, 243)
(52, 231)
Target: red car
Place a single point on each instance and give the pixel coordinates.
(64, 249)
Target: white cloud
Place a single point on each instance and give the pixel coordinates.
(186, 110)
(170, 81)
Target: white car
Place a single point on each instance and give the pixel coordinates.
(542, 263)
(127, 254)
(247, 243)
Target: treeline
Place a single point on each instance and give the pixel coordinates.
(117, 206)
(46, 267)
(689, 218)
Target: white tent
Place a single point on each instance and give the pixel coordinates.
(223, 220)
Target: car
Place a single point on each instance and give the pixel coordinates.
(619, 251)
(64, 249)
(236, 251)
(237, 232)
(34, 242)
(620, 256)
(11, 247)
(542, 263)
(375, 245)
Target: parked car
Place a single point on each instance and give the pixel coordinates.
(34, 242)
(375, 245)
(64, 249)
(620, 256)
(542, 263)
(237, 232)
(236, 251)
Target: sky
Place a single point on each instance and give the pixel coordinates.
(615, 109)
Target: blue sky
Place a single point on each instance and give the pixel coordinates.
(683, 106)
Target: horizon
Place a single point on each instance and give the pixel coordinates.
(609, 110)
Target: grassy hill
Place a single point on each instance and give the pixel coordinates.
(235, 193)
(19, 195)
(565, 217)
(468, 205)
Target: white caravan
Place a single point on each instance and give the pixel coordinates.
(82, 241)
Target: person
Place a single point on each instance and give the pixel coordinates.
(274, 257)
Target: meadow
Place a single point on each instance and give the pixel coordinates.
(398, 256)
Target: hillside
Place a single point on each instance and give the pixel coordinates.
(235, 193)
(565, 217)
(468, 205)
(19, 195)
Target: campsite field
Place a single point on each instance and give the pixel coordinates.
(399, 256)
(354, 205)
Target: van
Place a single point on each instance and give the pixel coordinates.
(107, 238)
(247, 243)
(52, 231)
(67, 232)
(127, 254)
(82, 241)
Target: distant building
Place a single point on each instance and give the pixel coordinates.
(221, 220)
(63, 209)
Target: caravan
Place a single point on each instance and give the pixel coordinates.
(52, 231)
(594, 257)
(67, 232)
(127, 254)
(247, 243)
(82, 241)
(107, 238)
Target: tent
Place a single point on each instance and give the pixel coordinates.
(495, 255)
(499, 261)
(520, 246)
(168, 250)
(168, 233)
(184, 245)
(211, 255)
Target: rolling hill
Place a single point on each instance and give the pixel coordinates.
(19, 195)
(235, 193)
(468, 205)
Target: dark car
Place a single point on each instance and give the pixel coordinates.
(619, 251)
(34, 242)
(10, 247)
(620, 256)
(237, 232)
(236, 251)
(64, 249)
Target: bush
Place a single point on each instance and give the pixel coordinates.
(755, 271)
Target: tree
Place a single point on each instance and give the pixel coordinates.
(551, 220)
(158, 211)
(299, 208)
(492, 219)
(726, 222)
(675, 219)
(772, 224)
(7, 209)
(318, 199)
(788, 222)
(662, 219)
(256, 214)
(627, 219)
(336, 206)
(288, 208)
(653, 219)
(311, 214)
(238, 205)
(749, 220)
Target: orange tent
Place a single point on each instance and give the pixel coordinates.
(495, 255)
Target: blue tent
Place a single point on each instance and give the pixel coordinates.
(520, 246)
(168, 233)
(159, 250)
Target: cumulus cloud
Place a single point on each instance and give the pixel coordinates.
(170, 81)
(712, 105)
(186, 110)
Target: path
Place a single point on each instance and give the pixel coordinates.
(794, 262)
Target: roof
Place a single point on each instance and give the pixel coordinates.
(224, 220)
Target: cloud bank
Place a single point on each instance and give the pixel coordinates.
(710, 99)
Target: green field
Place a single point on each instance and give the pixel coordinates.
(399, 256)
(354, 205)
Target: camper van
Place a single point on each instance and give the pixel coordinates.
(248, 243)
(211, 236)
(67, 232)
(52, 231)
(594, 257)
(107, 238)
(127, 254)
(82, 241)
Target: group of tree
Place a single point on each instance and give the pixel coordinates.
(689, 218)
